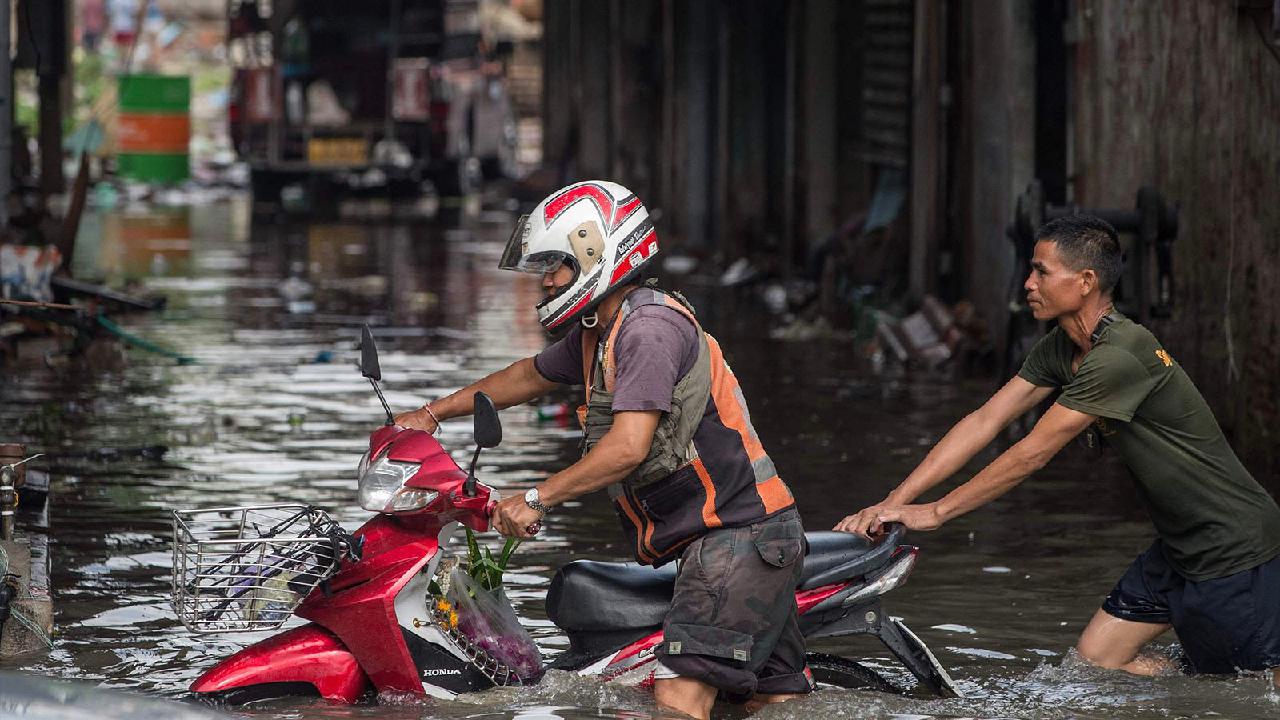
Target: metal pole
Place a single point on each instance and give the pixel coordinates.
(6, 115)
(393, 52)
(10, 476)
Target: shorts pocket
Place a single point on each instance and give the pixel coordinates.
(691, 639)
(779, 543)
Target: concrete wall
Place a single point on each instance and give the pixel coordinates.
(1185, 96)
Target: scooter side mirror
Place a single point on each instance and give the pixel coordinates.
(369, 356)
(488, 427)
(488, 433)
(369, 368)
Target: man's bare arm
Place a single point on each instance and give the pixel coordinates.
(968, 437)
(964, 440)
(620, 451)
(1014, 465)
(517, 383)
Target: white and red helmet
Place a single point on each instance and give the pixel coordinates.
(600, 229)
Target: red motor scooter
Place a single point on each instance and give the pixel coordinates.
(375, 627)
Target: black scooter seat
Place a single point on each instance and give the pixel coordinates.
(586, 595)
(836, 556)
(590, 595)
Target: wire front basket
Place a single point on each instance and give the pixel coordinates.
(238, 569)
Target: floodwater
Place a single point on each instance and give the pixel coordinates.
(274, 410)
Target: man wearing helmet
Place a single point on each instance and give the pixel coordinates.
(666, 430)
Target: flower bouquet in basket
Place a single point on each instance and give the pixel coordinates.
(470, 605)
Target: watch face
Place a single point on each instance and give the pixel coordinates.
(532, 500)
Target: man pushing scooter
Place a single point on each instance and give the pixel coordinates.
(667, 431)
(1213, 574)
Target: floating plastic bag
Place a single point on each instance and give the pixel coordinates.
(486, 618)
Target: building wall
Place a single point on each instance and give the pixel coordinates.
(736, 119)
(1185, 96)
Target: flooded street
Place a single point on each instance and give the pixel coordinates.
(274, 410)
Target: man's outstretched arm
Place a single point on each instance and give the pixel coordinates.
(1054, 430)
(956, 448)
(517, 383)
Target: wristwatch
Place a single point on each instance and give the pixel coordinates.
(531, 499)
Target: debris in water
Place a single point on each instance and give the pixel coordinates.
(951, 627)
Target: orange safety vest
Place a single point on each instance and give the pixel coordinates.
(721, 476)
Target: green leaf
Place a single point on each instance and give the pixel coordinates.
(473, 550)
(483, 567)
(507, 550)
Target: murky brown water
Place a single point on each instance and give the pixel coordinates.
(275, 411)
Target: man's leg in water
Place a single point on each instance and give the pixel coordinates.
(758, 701)
(779, 680)
(686, 695)
(1117, 644)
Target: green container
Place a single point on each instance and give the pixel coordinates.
(168, 94)
(154, 95)
(154, 167)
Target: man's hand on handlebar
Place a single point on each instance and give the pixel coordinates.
(418, 419)
(869, 522)
(514, 518)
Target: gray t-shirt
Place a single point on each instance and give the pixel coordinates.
(656, 347)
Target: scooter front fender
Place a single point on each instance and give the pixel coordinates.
(308, 654)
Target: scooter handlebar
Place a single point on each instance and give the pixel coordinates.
(533, 529)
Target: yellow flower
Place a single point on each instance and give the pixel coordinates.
(453, 619)
(443, 605)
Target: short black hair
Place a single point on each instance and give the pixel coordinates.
(1085, 241)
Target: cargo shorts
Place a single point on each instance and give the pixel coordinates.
(733, 620)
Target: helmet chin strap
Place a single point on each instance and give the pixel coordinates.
(590, 321)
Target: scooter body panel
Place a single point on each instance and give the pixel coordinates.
(360, 610)
(631, 665)
(307, 654)
(444, 670)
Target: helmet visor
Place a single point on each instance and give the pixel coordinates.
(516, 255)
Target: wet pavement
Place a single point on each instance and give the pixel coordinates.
(275, 411)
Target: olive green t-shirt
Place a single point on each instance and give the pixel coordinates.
(1213, 517)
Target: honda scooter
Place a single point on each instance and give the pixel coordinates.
(374, 626)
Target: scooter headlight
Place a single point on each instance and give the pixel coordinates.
(382, 486)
